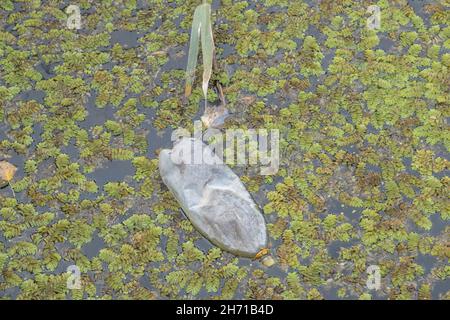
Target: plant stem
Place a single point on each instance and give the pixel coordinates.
(218, 85)
(14, 194)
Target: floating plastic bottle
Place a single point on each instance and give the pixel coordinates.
(214, 199)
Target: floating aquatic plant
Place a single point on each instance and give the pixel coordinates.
(362, 115)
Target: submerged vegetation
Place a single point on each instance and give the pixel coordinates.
(363, 121)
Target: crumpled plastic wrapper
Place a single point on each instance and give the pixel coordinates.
(213, 198)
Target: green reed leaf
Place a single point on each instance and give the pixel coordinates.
(201, 30)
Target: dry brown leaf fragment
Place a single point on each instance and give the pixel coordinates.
(7, 171)
(214, 117)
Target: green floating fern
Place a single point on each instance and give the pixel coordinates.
(201, 30)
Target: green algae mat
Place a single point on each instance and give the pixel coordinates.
(91, 91)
